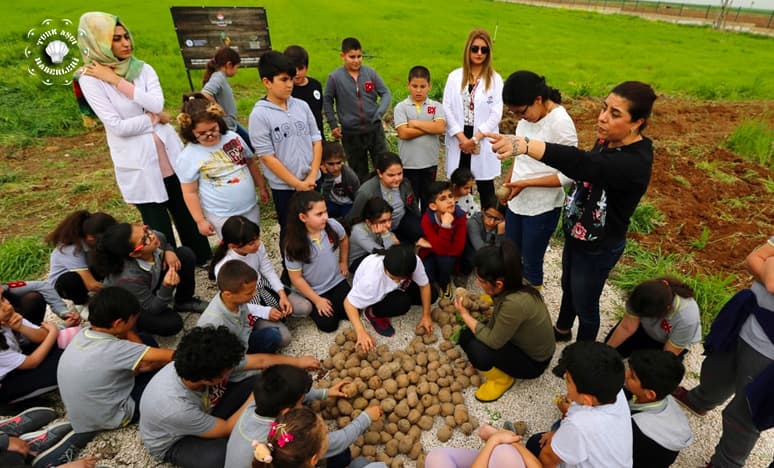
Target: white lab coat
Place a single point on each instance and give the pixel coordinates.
(130, 134)
(488, 112)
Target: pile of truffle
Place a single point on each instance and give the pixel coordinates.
(415, 387)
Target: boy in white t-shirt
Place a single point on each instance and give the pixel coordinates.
(386, 285)
(597, 429)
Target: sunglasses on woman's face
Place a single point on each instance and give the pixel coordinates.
(475, 49)
(147, 236)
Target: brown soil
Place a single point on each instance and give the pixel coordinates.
(731, 200)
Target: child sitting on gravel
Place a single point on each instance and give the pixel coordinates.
(659, 427)
(597, 430)
(298, 440)
(386, 285)
(279, 389)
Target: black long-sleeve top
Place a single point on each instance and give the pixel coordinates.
(609, 183)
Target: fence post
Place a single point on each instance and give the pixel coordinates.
(681, 9)
(706, 16)
(770, 19)
(636, 4)
(737, 13)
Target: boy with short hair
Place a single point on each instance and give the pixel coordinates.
(339, 182)
(104, 371)
(237, 282)
(285, 136)
(359, 122)
(187, 411)
(419, 121)
(659, 427)
(305, 87)
(387, 285)
(597, 429)
(278, 389)
(444, 233)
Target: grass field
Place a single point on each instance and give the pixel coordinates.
(581, 53)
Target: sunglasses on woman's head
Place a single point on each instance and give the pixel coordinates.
(484, 49)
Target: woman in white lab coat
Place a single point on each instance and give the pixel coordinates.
(473, 105)
(125, 94)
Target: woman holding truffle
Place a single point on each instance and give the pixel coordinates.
(518, 341)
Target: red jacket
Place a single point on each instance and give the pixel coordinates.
(449, 242)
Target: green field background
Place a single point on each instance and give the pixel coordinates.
(581, 53)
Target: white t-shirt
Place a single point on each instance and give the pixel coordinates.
(555, 127)
(371, 282)
(12, 357)
(595, 436)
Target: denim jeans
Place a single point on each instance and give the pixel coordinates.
(531, 235)
(584, 273)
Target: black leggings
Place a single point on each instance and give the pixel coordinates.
(639, 340)
(336, 295)
(22, 384)
(399, 302)
(509, 359)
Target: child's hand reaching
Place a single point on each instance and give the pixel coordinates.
(323, 306)
(308, 362)
(335, 390)
(72, 319)
(286, 307)
(275, 315)
(374, 412)
(364, 342)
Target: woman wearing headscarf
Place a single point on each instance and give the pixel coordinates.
(124, 92)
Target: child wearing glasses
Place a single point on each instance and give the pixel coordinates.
(161, 277)
(419, 121)
(486, 227)
(284, 133)
(339, 182)
(216, 169)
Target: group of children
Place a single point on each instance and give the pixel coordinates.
(402, 237)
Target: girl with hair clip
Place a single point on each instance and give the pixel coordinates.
(372, 233)
(298, 439)
(660, 314)
(536, 193)
(215, 87)
(270, 305)
(389, 184)
(608, 183)
(518, 341)
(69, 271)
(140, 260)
(124, 92)
(473, 106)
(216, 168)
(316, 254)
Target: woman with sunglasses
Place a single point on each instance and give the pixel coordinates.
(536, 197)
(472, 103)
(608, 182)
(124, 92)
(140, 260)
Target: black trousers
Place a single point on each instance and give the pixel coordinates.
(399, 302)
(509, 359)
(336, 295)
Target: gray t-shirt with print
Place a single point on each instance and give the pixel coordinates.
(219, 88)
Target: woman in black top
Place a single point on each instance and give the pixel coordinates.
(609, 182)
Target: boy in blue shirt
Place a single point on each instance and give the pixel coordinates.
(359, 123)
(419, 121)
(284, 133)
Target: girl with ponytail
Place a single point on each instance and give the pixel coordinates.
(216, 169)
(518, 341)
(215, 87)
(660, 314)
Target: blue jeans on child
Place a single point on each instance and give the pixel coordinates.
(584, 273)
(531, 235)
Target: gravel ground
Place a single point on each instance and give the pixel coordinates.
(530, 400)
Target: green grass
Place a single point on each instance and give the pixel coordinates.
(701, 241)
(645, 218)
(710, 291)
(22, 258)
(715, 172)
(584, 61)
(754, 140)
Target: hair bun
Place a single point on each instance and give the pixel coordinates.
(184, 119)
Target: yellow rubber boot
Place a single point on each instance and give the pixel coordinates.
(497, 383)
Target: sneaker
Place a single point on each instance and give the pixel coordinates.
(562, 336)
(195, 305)
(382, 325)
(447, 292)
(28, 420)
(42, 440)
(681, 395)
(61, 452)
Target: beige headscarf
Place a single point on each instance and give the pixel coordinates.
(95, 39)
